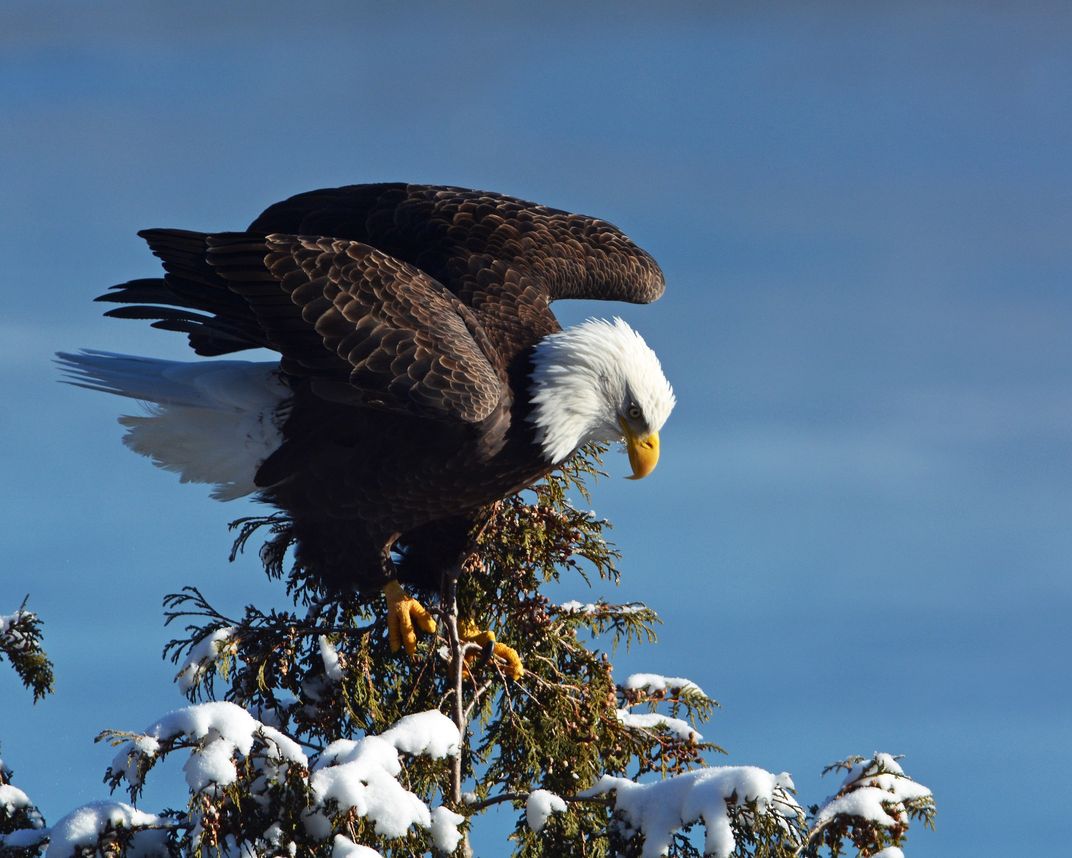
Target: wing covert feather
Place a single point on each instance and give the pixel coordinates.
(368, 328)
(438, 229)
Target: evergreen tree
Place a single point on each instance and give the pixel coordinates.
(307, 735)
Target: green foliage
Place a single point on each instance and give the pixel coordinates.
(557, 728)
(20, 642)
(324, 671)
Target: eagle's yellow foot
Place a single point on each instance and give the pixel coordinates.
(511, 661)
(404, 616)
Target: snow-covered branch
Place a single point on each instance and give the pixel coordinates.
(20, 643)
(873, 808)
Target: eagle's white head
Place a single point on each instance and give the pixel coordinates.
(599, 381)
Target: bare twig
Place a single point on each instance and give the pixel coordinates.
(522, 796)
(457, 666)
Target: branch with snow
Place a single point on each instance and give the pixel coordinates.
(675, 743)
(873, 807)
(654, 812)
(539, 806)
(21, 824)
(360, 778)
(676, 727)
(20, 643)
(657, 685)
(632, 622)
(250, 646)
(334, 664)
(219, 735)
(112, 828)
(314, 798)
(202, 657)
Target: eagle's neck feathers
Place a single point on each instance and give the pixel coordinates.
(585, 378)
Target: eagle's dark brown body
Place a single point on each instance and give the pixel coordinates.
(405, 316)
(360, 477)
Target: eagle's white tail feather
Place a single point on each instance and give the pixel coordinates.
(210, 422)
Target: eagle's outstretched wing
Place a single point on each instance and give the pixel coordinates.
(365, 328)
(406, 342)
(453, 283)
(498, 254)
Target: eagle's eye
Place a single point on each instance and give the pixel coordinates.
(633, 412)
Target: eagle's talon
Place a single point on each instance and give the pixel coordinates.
(491, 648)
(404, 616)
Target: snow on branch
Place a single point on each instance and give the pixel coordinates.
(20, 643)
(21, 824)
(217, 734)
(655, 721)
(360, 777)
(876, 790)
(333, 664)
(109, 828)
(676, 742)
(873, 807)
(539, 806)
(655, 811)
(634, 622)
(344, 847)
(202, 657)
(657, 685)
(232, 753)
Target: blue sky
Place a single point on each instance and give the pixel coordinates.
(858, 537)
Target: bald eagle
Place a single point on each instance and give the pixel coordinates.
(422, 372)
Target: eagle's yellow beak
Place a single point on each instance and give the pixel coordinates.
(643, 452)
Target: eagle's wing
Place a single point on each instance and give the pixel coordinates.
(492, 262)
(365, 328)
(406, 342)
(478, 244)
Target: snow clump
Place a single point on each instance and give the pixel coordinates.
(445, 833)
(683, 730)
(16, 809)
(202, 657)
(344, 847)
(655, 683)
(222, 731)
(660, 808)
(84, 825)
(12, 798)
(330, 656)
(875, 790)
(539, 806)
(362, 776)
(575, 607)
